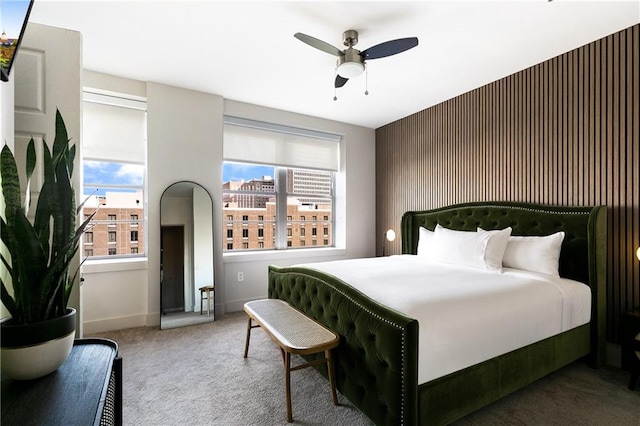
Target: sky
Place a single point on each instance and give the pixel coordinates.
(237, 171)
(109, 173)
(106, 173)
(12, 13)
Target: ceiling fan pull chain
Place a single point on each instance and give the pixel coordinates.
(366, 79)
(335, 74)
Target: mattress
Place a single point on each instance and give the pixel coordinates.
(466, 315)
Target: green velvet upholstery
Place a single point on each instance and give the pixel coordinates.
(376, 362)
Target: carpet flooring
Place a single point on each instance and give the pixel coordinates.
(196, 375)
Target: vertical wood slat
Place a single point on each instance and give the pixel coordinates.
(566, 131)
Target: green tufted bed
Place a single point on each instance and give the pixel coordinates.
(376, 362)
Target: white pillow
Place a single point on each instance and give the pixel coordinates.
(467, 248)
(536, 254)
(425, 242)
(496, 247)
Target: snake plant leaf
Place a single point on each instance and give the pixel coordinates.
(10, 183)
(30, 263)
(31, 165)
(7, 300)
(40, 254)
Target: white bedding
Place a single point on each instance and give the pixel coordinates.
(466, 315)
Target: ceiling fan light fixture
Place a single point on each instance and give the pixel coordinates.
(350, 69)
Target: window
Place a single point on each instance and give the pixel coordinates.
(314, 231)
(278, 176)
(229, 246)
(88, 237)
(114, 171)
(260, 244)
(245, 245)
(88, 252)
(325, 231)
(302, 243)
(245, 218)
(245, 233)
(325, 218)
(229, 233)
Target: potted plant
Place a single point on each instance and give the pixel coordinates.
(37, 262)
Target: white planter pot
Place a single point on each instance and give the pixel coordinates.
(34, 350)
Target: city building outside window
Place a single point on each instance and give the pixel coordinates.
(114, 173)
(260, 196)
(88, 237)
(275, 177)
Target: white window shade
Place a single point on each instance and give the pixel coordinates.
(113, 133)
(263, 143)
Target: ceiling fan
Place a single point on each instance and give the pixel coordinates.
(351, 62)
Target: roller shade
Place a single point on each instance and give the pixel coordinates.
(113, 132)
(263, 143)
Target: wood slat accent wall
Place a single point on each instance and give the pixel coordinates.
(563, 132)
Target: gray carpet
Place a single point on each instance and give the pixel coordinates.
(197, 376)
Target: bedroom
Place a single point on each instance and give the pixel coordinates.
(131, 301)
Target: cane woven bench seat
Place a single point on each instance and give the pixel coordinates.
(294, 333)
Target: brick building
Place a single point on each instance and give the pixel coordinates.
(118, 226)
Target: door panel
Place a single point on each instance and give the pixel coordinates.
(172, 264)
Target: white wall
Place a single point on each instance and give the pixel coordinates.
(184, 130)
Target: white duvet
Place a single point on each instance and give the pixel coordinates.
(466, 315)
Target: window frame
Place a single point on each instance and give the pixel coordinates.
(137, 221)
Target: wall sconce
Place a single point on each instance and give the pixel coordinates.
(638, 253)
(389, 235)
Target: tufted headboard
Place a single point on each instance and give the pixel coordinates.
(583, 256)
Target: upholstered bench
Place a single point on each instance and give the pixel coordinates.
(294, 333)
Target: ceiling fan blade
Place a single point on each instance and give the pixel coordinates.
(389, 48)
(318, 44)
(340, 81)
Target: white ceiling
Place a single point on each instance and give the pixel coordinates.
(246, 51)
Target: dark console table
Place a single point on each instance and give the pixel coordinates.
(85, 390)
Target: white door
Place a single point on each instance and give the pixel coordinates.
(47, 76)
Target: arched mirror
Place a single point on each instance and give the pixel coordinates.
(187, 288)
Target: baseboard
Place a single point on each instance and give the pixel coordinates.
(110, 324)
(238, 305)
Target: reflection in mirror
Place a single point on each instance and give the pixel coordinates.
(186, 256)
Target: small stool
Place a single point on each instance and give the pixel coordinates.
(206, 293)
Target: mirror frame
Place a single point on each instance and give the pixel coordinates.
(200, 318)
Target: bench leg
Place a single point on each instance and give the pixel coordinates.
(287, 384)
(330, 372)
(246, 343)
